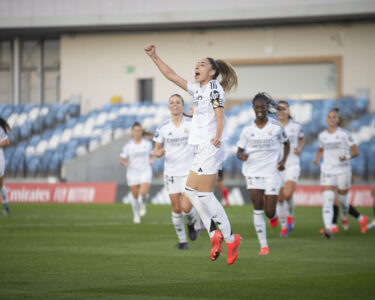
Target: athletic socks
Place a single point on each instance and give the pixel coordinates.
(327, 209)
(201, 209)
(335, 214)
(281, 210)
(3, 193)
(344, 205)
(225, 194)
(135, 207)
(290, 206)
(353, 212)
(179, 226)
(260, 227)
(218, 214)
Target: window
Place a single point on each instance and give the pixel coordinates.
(5, 72)
(145, 90)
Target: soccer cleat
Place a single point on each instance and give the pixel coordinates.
(192, 233)
(232, 249)
(142, 209)
(328, 234)
(345, 223)
(290, 223)
(274, 222)
(216, 244)
(363, 224)
(371, 225)
(284, 233)
(334, 229)
(182, 246)
(5, 210)
(136, 219)
(264, 251)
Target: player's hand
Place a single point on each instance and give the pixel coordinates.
(150, 49)
(342, 158)
(151, 161)
(243, 156)
(315, 162)
(216, 142)
(159, 152)
(281, 166)
(297, 151)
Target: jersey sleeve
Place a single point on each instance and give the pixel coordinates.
(158, 136)
(191, 88)
(283, 136)
(349, 139)
(243, 140)
(3, 135)
(320, 140)
(301, 134)
(124, 153)
(217, 96)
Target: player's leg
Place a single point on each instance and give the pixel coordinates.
(134, 203)
(256, 196)
(178, 220)
(288, 190)
(4, 197)
(282, 214)
(372, 224)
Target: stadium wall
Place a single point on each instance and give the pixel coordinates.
(100, 66)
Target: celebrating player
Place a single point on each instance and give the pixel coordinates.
(289, 177)
(335, 144)
(259, 147)
(137, 156)
(173, 134)
(207, 134)
(4, 142)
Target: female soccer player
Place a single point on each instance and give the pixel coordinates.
(289, 177)
(4, 142)
(137, 156)
(335, 144)
(259, 147)
(208, 136)
(173, 134)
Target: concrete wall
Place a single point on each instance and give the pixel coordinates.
(94, 65)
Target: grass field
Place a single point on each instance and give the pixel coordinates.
(52, 251)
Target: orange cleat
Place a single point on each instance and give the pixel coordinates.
(232, 249)
(335, 229)
(284, 232)
(345, 223)
(216, 244)
(264, 251)
(290, 223)
(274, 222)
(363, 224)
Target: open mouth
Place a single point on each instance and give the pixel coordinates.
(196, 75)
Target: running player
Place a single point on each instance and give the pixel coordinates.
(173, 134)
(207, 134)
(289, 177)
(4, 142)
(137, 156)
(337, 147)
(259, 147)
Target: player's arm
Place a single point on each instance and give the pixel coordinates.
(158, 150)
(124, 162)
(241, 155)
(4, 143)
(301, 144)
(166, 70)
(219, 113)
(281, 164)
(318, 156)
(354, 153)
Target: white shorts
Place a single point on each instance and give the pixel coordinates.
(342, 181)
(290, 174)
(271, 185)
(175, 184)
(138, 178)
(208, 159)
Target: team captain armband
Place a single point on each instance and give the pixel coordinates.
(216, 100)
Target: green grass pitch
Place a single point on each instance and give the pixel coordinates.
(62, 251)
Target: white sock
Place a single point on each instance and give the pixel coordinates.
(327, 209)
(191, 216)
(179, 226)
(281, 211)
(344, 205)
(140, 199)
(260, 227)
(218, 214)
(135, 206)
(200, 208)
(290, 206)
(3, 193)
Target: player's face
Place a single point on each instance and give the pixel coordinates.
(203, 71)
(332, 119)
(260, 109)
(137, 133)
(175, 106)
(283, 114)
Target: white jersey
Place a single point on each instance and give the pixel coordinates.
(263, 146)
(293, 131)
(178, 153)
(3, 137)
(205, 100)
(335, 145)
(138, 156)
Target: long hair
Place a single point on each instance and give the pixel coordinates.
(229, 78)
(341, 122)
(4, 125)
(287, 104)
(271, 104)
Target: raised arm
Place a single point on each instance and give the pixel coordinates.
(166, 70)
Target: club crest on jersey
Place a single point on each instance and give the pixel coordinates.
(215, 95)
(270, 132)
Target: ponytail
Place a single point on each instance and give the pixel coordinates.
(229, 79)
(272, 106)
(4, 125)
